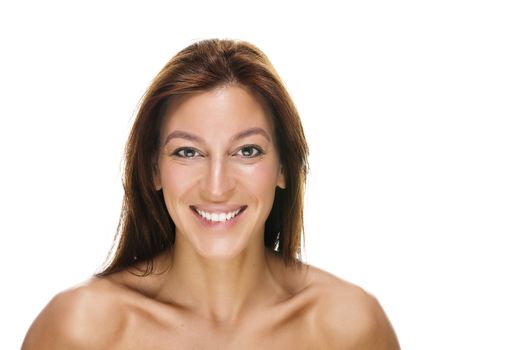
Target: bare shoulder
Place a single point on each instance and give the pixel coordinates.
(87, 316)
(347, 316)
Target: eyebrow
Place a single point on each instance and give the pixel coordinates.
(191, 137)
(251, 131)
(182, 135)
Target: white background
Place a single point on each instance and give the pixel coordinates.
(414, 112)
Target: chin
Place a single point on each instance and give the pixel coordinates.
(225, 245)
(220, 250)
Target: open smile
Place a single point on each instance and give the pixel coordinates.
(218, 216)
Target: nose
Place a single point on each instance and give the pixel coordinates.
(218, 183)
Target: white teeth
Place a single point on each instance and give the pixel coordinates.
(218, 217)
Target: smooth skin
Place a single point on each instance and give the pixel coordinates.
(218, 287)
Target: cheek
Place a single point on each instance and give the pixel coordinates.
(177, 184)
(261, 178)
(258, 179)
(177, 180)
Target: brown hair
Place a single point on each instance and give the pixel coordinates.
(145, 227)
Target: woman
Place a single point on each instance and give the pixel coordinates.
(207, 254)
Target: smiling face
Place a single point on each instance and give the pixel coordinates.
(218, 168)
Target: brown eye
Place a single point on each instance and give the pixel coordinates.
(186, 152)
(250, 151)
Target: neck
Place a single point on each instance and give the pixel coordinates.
(220, 289)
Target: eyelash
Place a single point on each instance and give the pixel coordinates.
(184, 149)
(258, 152)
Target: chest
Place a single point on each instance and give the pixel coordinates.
(265, 330)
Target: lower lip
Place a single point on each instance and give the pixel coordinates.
(218, 224)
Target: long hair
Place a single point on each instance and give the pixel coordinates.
(145, 228)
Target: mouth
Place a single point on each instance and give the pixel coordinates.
(218, 216)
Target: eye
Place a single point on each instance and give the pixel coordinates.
(250, 151)
(186, 152)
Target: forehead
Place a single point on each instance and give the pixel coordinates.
(227, 109)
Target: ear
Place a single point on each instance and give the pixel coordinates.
(156, 178)
(281, 182)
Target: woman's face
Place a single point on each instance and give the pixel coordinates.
(218, 168)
